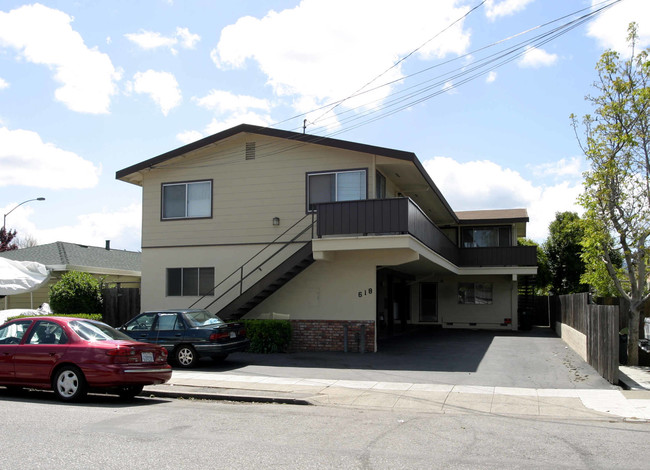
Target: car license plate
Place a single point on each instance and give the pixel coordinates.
(233, 334)
(147, 357)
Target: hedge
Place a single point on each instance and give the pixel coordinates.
(268, 336)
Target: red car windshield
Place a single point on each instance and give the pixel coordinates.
(95, 331)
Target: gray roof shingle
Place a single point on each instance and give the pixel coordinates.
(72, 254)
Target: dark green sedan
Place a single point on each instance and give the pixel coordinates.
(188, 334)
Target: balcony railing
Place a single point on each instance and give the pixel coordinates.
(403, 216)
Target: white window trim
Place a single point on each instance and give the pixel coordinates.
(186, 184)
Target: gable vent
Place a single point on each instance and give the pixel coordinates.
(250, 150)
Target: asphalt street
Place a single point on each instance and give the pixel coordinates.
(106, 433)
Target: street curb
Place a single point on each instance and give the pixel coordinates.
(211, 394)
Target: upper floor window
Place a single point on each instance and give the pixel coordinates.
(486, 237)
(187, 200)
(349, 185)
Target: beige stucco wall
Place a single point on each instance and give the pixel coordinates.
(247, 194)
(340, 289)
(504, 304)
(573, 338)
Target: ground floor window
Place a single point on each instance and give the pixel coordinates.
(190, 281)
(475, 293)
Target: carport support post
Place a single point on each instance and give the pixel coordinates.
(345, 338)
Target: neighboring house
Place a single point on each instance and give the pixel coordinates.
(110, 266)
(364, 243)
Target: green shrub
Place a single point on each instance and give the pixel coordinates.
(268, 336)
(76, 292)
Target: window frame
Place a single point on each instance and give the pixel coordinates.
(498, 228)
(183, 283)
(186, 184)
(334, 172)
(473, 285)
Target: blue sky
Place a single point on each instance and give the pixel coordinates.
(90, 87)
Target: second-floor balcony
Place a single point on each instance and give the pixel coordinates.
(402, 216)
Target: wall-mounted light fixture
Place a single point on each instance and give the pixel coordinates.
(276, 220)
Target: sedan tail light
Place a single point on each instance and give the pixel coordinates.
(219, 336)
(121, 354)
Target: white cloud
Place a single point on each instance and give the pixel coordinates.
(224, 101)
(38, 164)
(535, 58)
(484, 184)
(316, 51)
(491, 77)
(42, 35)
(610, 27)
(230, 110)
(187, 39)
(162, 87)
(149, 40)
(219, 124)
(188, 137)
(564, 168)
(122, 227)
(448, 87)
(3, 84)
(495, 10)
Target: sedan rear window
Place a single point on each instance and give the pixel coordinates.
(202, 318)
(95, 331)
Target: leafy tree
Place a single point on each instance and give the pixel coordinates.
(563, 250)
(7, 240)
(617, 186)
(543, 273)
(76, 292)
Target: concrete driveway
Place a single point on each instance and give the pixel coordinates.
(531, 359)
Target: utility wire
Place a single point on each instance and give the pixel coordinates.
(418, 93)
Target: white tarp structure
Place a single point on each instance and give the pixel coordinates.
(18, 277)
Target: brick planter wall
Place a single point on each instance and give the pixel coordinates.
(329, 335)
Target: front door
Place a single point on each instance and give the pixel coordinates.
(428, 302)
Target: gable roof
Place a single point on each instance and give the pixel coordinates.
(295, 137)
(65, 256)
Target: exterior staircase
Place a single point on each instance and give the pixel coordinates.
(269, 284)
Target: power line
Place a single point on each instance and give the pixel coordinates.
(422, 91)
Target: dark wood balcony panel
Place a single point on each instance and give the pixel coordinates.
(421, 227)
(499, 256)
(363, 217)
(402, 215)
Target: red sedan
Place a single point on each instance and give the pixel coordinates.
(72, 356)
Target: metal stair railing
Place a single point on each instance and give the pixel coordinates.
(240, 280)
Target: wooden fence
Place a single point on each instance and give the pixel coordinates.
(598, 323)
(120, 304)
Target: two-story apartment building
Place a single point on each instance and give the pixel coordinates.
(349, 241)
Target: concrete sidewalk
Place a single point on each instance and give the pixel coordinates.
(433, 398)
